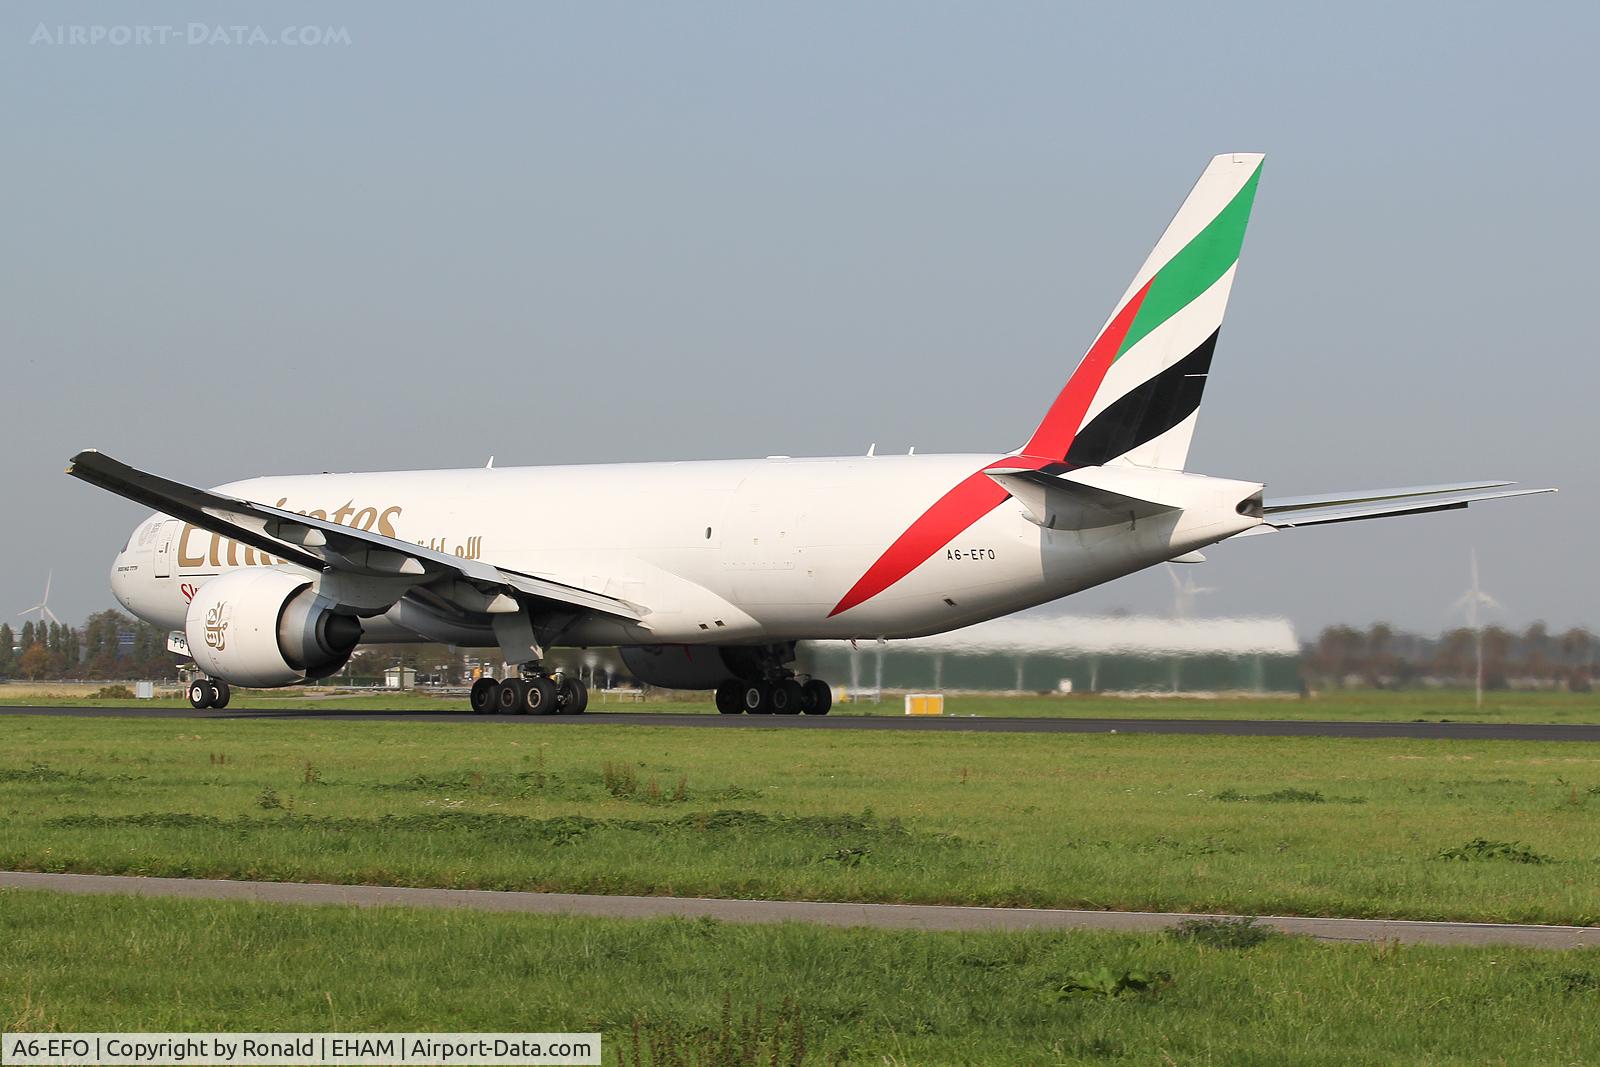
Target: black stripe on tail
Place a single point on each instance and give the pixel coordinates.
(1147, 411)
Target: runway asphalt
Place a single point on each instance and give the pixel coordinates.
(1523, 731)
(887, 916)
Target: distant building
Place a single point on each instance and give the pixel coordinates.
(400, 678)
(1042, 653)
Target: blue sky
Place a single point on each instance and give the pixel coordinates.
(559, 233)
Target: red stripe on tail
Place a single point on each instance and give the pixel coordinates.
(971, 499)
(1054, 436)
(976, 495)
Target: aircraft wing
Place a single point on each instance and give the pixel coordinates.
(1282, 513)
(323, 545)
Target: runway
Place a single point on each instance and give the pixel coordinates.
(933, 917)
(1459, 731)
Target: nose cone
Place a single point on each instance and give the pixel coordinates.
(121, 581)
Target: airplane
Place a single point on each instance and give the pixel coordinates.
(707, 574)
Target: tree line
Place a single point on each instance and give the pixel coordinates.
(109, 645)
(1383, 657)
(114, 645)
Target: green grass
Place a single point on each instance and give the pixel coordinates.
(1400, 828)
(853, 996)
(1356, 704)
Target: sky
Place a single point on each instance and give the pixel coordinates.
(556, 233)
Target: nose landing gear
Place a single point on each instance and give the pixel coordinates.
(208, 693)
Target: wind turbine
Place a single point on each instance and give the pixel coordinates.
(43, 606)
(1469, 602)
(1184, 592)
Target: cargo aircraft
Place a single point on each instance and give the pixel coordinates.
(706, 574)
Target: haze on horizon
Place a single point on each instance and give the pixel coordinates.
(590, 233)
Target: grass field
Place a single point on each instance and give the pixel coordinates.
(1416, 829)
(824, 996)
(1363, 704)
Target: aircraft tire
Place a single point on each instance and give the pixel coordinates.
(787, 696)
(818, 699)
(572, 696)
(509, 697)
(539, 698)
(200, 694)
(220, 692)
(483, 697)
(730, 696)
(756, 698)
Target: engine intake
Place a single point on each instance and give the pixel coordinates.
(267, 627)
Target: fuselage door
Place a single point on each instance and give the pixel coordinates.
(166, 537)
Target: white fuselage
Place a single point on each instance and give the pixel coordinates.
(717, 552)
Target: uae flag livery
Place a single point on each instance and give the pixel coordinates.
(1136, 394)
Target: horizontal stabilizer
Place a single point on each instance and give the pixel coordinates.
(319, 544)
(1057, 503)
(1284, 513)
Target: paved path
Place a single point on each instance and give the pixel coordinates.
(888, 916)
(1498, 731)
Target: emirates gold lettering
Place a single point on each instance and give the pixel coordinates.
(224, 551)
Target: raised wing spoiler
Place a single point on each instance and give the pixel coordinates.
(320, 544)
(1282, 513)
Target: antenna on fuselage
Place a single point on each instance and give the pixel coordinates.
(872, 449)
(489, 466)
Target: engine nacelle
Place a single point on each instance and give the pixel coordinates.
(690, 666)
(265, 627)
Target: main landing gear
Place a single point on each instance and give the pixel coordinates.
(208, 693)
(779, 696)
(534, 693)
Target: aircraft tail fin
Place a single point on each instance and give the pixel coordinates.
(1135, 396)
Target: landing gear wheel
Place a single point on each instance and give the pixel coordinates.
(816, 697)
(730, 697)
(786, 697)
(539, 697)
(756, 698)
(572, 696)
(220, 694)
(483, 696)
(200, 694)
(508, 697)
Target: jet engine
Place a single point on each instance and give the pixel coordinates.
(266, 627)
(690, 666)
